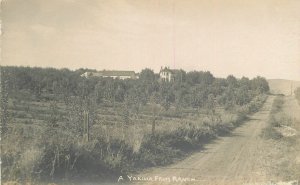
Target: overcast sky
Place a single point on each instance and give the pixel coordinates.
(239, 37)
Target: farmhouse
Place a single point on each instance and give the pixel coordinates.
(167, 75)
(112, 74)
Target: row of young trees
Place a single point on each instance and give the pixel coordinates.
(196, 89)
(190, 89)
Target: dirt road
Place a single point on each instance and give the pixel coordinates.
(241, 158)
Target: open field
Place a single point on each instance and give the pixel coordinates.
(281, 86)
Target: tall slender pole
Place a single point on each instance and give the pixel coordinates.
(173, 33)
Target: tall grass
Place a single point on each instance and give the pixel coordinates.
(276, 119)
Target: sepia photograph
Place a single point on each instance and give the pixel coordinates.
(150, 92)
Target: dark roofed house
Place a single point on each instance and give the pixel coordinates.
(112, 74)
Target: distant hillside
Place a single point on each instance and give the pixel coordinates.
(280, 86)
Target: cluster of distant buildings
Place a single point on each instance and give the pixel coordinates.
(165, 74)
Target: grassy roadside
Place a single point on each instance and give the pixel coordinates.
(283, 132)
(289, 155)
(279, 123)
(276, 118)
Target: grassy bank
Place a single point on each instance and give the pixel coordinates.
(283, 133)
(274, 120)
(278, 123)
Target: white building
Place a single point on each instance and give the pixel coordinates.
(112, 74)
(166, 74)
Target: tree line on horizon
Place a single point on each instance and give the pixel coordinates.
(189, 89)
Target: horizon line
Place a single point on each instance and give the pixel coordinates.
(75, 69)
